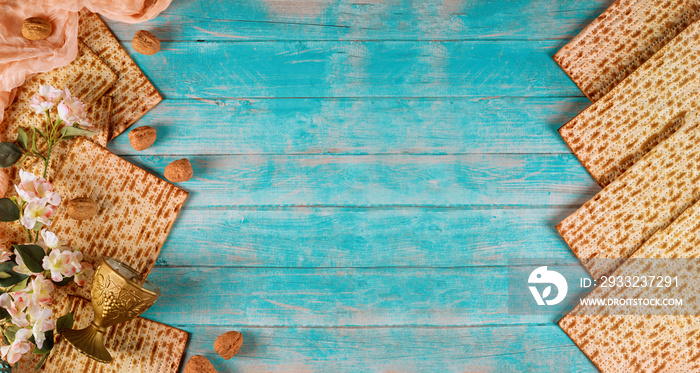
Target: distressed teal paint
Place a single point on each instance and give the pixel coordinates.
(283, 69)
(240, 20)
(521, 348)
(363, 173)
(363, 237)
(320, 297)
(358, 126)
(381, 180)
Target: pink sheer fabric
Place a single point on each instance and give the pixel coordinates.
(21, 58)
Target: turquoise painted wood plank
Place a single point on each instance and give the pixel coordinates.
(357, 69)
(381, 180)
(361, 237)
(352, 20)
(336, 297)
(358, 126)
(526, 348)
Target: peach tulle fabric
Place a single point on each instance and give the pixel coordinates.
(21, 58)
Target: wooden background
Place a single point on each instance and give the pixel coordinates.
(363, 172)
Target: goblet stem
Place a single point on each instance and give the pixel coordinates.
(89, 341)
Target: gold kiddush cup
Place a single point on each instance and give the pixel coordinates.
(119, 294)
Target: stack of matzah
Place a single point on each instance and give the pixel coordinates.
(139, 345)
(641, 201)
(640, 140)
(646, 342)
(621, 39)
(136, 209)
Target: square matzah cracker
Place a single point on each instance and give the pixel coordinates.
(646, 198)
(133, 93)
(641, 111)
(621, 39)
(136, 209)
(138, 345)
(87, 77)
(646, 343)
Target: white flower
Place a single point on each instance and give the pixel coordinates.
(40, 290)
(59, 263)
(47, 97)
(32, 187)
(40, 319)
(37, 211)
(72, 110)
(49, 240)
(5, 256)
(19, 347)
(85, 273)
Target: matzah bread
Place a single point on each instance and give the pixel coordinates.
(133, 93)
(87, 77)
(139, 345)
(638, 113)
(136, 209)
(646, 198)
(99, 114)
(646, 343)
(621, 39)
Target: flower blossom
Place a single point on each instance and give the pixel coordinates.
(50, 241)
(46, 99)
(85, 273)
(40, 290)
(40, 319)
(71, 110)
(32, 187)
(17, 305)
(5, 256)
(37, 211)
(19, 347)
(61, 264)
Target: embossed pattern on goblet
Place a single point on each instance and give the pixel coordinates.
(119, 294)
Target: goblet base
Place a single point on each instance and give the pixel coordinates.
(89, 341)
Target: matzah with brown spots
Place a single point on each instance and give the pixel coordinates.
(99, 114)
(136, 208)
(646, 198)
(139, 345)
(133, 93)
(87, 77)
(621, 39)
(638, 113)
(646, 343)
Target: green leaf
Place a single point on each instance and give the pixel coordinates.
(32, 256)
(4, 275)
(64, 322)
(4, 314)
(20, 285)
(64, 282)
(5, 367)
(48, 344)
(69, 131)
(9, 154)
(41, 362)
(10, 332)
(22, 138)
(8, 210)
(15, 278)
